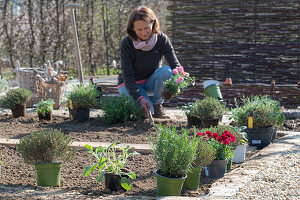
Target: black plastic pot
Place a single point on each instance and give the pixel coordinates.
(194, 121)
(207, 123)
(217, 168)
(19, 111)
(113, 182)
(259, 137)
(48, 116)
(81, 115)
(274, 133)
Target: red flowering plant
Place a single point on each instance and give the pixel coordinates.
(221, 143)
(178, 82)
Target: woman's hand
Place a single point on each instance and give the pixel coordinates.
(145, 105)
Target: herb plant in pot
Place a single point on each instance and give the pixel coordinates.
(205, 154)
(265, 114)
(46, 149)
(16, 100)
(44, 109)
(111, 165)
(207, 111)
(80, 100)
(224, 151)
(173, 153)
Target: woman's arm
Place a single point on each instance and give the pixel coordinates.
(168, 52)
(127, 70)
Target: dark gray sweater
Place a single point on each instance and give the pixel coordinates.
(139, 65)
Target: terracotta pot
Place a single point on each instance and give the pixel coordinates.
(228, 81)
(19, 111)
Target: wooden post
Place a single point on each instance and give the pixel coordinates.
(76, 43)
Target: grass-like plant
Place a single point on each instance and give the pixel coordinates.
(3, 84)
(15, 97)
(205, 153)
(108, 161)
(207, 108)
(121, 109)
(82, 96)
(45, 146)
(265, 112)
(44, 106)
(173, 152)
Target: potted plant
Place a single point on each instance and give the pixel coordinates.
(224, 151)
(46, 149)
(265, 114)
(173, 153)
(121, 109)
(111, 166)
(204, 113)
(239, 145)
(178, 82)
(205, 154)
(16, 100)
(44, 109)
(80, 100)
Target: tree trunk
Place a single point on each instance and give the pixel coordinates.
(31, 24)
(43, 33)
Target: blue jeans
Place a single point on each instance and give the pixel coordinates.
(153, 86)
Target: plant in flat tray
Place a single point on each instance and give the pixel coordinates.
(16, 100)
(44, 109)
(178, 82)
(46, 149)
(121, 109)
(111, 165)
(173, 152)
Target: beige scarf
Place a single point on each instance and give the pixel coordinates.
(146, 45)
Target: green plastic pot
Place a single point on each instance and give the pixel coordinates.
(48, 174)
(229, 164)
(193, 178)
(168, 186)
(213, 91)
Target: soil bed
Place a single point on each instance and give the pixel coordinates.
(17, 174)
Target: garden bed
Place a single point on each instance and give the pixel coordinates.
(18, 175)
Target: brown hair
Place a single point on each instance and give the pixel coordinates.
(141, 13)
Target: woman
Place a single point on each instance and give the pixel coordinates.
(141, 55)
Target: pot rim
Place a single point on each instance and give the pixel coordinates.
(155, 172)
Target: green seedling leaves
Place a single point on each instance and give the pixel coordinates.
(125, 183)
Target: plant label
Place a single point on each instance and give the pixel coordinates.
(256, 141)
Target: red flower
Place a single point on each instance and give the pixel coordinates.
(232, 139)
(208, 133)
(200, 134)
(225, 142)
(219, 139)
(215, 135)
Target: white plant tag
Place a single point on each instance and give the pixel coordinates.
(256, 141)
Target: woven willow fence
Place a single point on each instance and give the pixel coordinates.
(251, 41)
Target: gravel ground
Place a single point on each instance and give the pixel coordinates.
(279, 180)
